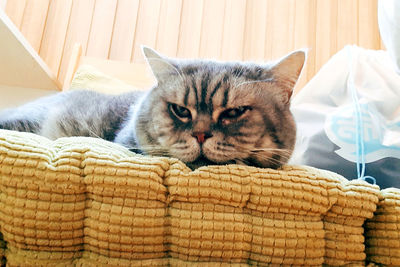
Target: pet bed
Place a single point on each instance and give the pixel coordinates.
(88, 202)
(85, 201)
(383, 230)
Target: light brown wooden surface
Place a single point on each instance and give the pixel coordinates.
(55, 32)
(34, 20)
(223, 29)
(125, 24)
(137, 75)
(20, 65)
(101, 29)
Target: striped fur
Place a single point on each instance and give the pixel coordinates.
(201, 112)
(264, 135)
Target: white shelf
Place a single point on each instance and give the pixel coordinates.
(20, 65)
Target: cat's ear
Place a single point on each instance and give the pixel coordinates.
(161, 67)
(287, 71)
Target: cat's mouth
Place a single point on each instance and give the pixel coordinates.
(203, 161)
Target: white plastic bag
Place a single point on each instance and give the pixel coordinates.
(389, 27)
(348, 117)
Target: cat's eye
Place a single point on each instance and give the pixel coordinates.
(180, 112)
(233, 113)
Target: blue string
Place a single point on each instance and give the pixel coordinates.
(359, 128)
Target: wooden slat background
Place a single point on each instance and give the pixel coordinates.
(223, 29)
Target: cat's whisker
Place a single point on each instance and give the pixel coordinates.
(270, 149)
(283, 157)
(268, 159)
(284, 154)
(256, 81)
(242, 71)
(93, 133)
(238, 75)
(243, 162)
(273, 160)
(150, 149)
(281, 151)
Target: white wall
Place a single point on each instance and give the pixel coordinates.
(3, 4)
(15, 96)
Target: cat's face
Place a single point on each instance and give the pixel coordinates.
(206, 112)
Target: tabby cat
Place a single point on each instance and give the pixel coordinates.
(201, 112)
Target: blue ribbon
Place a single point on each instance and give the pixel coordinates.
(359, 127)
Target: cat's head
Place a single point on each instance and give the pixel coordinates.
(207, 112)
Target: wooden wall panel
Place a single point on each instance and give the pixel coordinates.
(32, 26)
(124, 30)
(15, 10)
(225, 29)
(368, 23)
(53, 41)
(190, 28)
(147, 27)
(255, 35)
(347, 30)
(78, 32)
(282, 23)
(233, 30)
(212, 28)
(325, 44)
(168, 29)
(305, 36)
(101, 29)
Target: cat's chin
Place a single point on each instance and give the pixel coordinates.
(203, 161)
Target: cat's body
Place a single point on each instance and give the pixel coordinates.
(72, 113)
(201, 112)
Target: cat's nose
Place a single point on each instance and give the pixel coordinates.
(201, 136)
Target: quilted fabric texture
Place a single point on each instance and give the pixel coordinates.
(383, 230)
(90, 78)
(89, 202)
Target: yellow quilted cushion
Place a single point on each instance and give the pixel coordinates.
(383, 230)
(89, 202)
(90, 78)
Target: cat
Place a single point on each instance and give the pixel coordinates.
(200, 111)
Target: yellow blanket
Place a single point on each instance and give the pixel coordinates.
(85, 201)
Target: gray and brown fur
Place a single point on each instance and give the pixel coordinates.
(264, 135)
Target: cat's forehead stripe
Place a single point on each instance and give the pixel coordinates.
(204, 85)
(213, 92)
(186, 97)
(226, 95)
(211, 84)
(194, 87)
